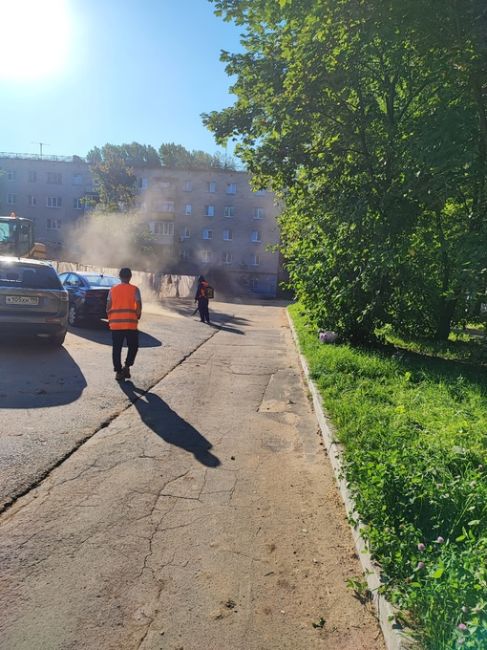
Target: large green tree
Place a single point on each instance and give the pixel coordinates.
(369, 121)
(114, 178)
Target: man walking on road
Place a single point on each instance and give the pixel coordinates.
(202, 298)
(124, 308)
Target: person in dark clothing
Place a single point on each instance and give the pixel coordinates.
(202, 300)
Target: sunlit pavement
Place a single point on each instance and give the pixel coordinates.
(191, 507)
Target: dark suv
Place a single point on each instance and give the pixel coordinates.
(88, 293)
(32, 299)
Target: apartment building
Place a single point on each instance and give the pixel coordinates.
(202, 221)
(50, 190)
(213, 223)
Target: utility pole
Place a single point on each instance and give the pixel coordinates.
(41, 144)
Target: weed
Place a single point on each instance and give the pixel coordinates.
(414, 428)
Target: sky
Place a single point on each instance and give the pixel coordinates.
(75, 74)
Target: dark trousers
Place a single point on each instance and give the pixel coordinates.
(203, 309)
(118, 337)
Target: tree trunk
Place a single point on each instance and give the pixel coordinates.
(445, 317)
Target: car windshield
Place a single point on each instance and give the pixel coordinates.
(28, 277)
(101, 280)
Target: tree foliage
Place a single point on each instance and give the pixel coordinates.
(370, 121)
(114, 179)
(176, 156)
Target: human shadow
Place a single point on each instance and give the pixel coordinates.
(227, 328)
(186, 307)
(98, 332)
(35, 375)
(168, 425)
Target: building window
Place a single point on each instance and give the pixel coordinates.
(32, 177)
(165, 228)
(142, 183)
(227, 258)
(53, 224)
(207, 233)
(231, 188)
(187, 186)
(54, 178)
(54, 201)
(227, 235)
(255, 260)
(259, 213)
(11, 199)
(188, 209)
(32, 200)
(186, 233)
(77, 179)
(78, 204)
(209, 210)
(12, 175)
(260, 193)
(162, 183)
(229, 211)
(255, 236)
(212, 187)
(184, 254)
(167, 206)
(205, 255)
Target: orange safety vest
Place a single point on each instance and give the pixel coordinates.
(202, 291)
(123, 310)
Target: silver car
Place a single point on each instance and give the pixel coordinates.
(32, 299)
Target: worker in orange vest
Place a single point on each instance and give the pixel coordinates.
(202, 299)
(124, 308)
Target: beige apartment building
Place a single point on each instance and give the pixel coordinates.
(202, 221)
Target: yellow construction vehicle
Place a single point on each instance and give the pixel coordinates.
(17, 238)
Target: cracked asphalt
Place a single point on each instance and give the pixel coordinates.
(191, 508)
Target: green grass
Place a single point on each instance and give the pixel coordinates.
(414, 428)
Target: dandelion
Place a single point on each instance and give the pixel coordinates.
(462, 627)
(464, 609)
(421, 547)
(440, 539)
(420, 565)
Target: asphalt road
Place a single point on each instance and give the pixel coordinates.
(191, 508)
(51, 400)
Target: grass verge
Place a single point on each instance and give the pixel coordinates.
(415, 434)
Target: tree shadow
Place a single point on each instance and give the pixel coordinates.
(36, 375)
(168, 425)
(98, 332)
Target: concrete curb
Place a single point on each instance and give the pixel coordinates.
(395, 638)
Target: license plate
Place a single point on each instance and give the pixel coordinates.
(21, 300)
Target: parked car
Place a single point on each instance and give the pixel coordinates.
(32, 299)
(88, 293)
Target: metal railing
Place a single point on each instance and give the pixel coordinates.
(36, 156)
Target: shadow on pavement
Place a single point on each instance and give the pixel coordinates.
(36, 375)
(185, 307)
(168, 425)
(98, 332)
(228, 328)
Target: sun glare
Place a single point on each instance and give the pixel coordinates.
(35, 38)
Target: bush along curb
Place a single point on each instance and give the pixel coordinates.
(395, 637)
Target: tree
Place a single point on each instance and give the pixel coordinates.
(364, 118)
(176, 156)
(115, 180)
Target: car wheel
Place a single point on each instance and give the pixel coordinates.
(57, 340)
(73, 316)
